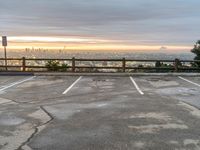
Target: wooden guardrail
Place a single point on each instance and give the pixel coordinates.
(29, 64)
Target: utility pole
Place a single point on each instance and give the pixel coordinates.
(4, 44)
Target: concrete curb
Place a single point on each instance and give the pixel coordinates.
(93, 74)
(116, 74)
(16, 73)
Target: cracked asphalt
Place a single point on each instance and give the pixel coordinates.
(99, 113)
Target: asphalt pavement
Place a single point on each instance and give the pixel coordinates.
(99, 113)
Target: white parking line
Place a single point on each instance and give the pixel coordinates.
(136, 86)
(15, 83)
(69, 88)
(102, 105)
(189, 81)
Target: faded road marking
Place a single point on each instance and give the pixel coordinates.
(154, 115)
(69, 88)
(189, 81)
(16, 83)
(136, 86)
(193, 110)
(151, 128)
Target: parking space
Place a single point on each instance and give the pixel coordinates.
(39, 90)
(99, 112)
(185, 89)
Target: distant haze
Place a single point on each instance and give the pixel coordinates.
(162, 25)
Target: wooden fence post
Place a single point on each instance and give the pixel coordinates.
(23, 64)
(73, 64)
(176, 63)
(124, 65)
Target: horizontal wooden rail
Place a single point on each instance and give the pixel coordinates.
(76, 64)
(11, 58)
(10, 66)
(45, 59)
(97, 67)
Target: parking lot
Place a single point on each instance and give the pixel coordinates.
(99, 113)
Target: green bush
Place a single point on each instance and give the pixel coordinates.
(52, 65)
(64, 67)
(196, 51)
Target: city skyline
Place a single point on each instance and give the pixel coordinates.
(101, 25)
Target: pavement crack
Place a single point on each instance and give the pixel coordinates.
(190, 104)
(37, 129)
(14, 101)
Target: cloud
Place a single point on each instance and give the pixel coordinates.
(132, 21)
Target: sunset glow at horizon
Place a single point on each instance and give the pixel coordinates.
(81, 43)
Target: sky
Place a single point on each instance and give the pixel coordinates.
(101, 24)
